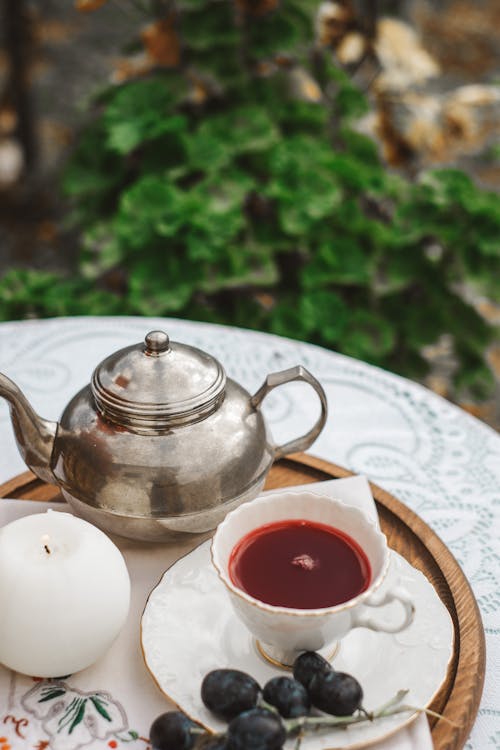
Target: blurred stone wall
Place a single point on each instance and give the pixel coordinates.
(464, 38)
(66, 56)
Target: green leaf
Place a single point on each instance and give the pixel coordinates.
(286, 320)
(350, 101)
(206, 151)
(360, 146)
(219, 216)
(79, 714)
(341, 260)
(474, 378)
(300, 117)
(92, 170)
(213, 145)
(209, 28)
(51, 694)
(269, 35)
(141, 111)
(152, 207)
(100, 707)
(368, 336)
(125, 136)
(303, 184)
(325, 314)
(160, 283)
(93, 177)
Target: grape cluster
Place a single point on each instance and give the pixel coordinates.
(260, 718)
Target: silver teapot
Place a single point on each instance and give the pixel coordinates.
(160, 443)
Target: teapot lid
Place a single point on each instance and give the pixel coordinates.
(158, 383)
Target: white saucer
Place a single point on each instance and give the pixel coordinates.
(189, 628)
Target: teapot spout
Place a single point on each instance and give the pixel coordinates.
(34, 436)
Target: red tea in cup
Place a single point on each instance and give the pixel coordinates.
(299, 564)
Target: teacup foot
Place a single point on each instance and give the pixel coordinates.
(285, 659)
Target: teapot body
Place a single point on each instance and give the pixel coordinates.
(158, 487)
(160, 443)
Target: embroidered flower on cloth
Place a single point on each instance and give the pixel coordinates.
(72, 718)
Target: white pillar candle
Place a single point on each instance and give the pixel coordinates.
(64, 594)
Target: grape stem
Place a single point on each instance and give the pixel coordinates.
(323, 722)
(392, 707)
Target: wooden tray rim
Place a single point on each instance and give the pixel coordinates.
(469, 632)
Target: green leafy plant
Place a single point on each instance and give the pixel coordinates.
(232, 186)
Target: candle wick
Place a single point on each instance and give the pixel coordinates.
(45, 541)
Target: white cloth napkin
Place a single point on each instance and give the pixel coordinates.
(120, 696)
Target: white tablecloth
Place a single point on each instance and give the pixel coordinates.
(440, 461)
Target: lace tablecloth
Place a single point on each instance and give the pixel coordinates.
(441, 462)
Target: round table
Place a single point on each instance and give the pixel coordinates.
(440, 461)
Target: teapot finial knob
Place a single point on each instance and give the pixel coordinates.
(157, 342)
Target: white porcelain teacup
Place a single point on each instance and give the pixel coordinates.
(283, 632)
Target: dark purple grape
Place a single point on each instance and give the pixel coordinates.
(309, 664)
(257, 729)
(171, 731)
(287, 695)
(228, 692)
(336, 693)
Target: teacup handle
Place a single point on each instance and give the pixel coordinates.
(273, 380)
(364, 620)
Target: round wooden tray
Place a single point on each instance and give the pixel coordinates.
(458, 699)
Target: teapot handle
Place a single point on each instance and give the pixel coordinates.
(273, 380)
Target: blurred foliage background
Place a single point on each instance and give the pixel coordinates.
(318, 170)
